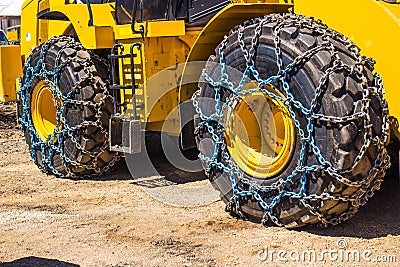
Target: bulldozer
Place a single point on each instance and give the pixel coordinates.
(289, 119)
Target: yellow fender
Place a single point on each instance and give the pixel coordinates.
(214, 32)
(64, 19)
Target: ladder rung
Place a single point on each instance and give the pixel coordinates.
(119, 56)
(119, 87)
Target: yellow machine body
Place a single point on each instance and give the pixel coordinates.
(169, 45)
(10, 70)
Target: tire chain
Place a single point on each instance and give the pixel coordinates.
(62, 128)
(214, 124)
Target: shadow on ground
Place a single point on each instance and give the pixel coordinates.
(37, 262)
(151, 168)
(380, 217)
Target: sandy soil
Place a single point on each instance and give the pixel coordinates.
(45, 221)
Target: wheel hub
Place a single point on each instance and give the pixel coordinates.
(260, 134)
(43, 110)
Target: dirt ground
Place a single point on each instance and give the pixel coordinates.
(45, 221)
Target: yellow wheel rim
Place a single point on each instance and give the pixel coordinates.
(260, 134)
(44, 113)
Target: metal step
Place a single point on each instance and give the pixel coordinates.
(125, 134)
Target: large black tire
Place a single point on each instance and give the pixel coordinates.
(81, 146)
(330, 197)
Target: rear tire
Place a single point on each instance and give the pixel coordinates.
(78, 145)
(329, 195)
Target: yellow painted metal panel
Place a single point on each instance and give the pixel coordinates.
(28, 27)
(104, 36)
(165, 28)
(58, 27)
(102, 14)
(165, 57)
(10, 70)
(35, 31)
(101, 35)
(123, 32)
(151, 29)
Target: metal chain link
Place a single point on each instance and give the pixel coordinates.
(63, 131)
(214, 124)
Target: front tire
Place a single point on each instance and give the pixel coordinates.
(66, 109)
(337, 157)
